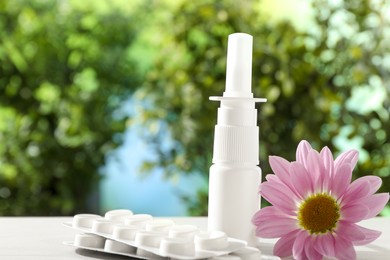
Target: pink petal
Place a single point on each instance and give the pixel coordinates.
(316, 169)
(281, 167)
(325, 245)
(310, 250)
(272, 223)
(266, 213)
(302, 150)
(370, 235)
(362, 187)
(299, 244)
(350, 231)
(357, 190)
(375, 203)
(279, 195)
(283, 247)
(375, 182)
(272, 178)
(354, 213)
(273, 227)
(327, 158)
(344, 250)
(350, 157)
(341, 180)
(300, 179)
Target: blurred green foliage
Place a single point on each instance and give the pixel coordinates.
(318, 83)
(65, 67)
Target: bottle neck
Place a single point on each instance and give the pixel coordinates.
(237, 113)
(236, 144)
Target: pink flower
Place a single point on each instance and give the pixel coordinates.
(316, 207)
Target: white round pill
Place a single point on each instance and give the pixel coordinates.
(125, 232)
(211, 240)
(89, 240)
(84, 220)
(183, 231)
(138, 219)
(115, 246)
(118, 214)
(159, 225)
(177, 246)
(104, 226)
(148, 239)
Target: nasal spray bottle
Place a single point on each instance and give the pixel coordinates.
(234, 176)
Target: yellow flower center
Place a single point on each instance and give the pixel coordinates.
(319, 213)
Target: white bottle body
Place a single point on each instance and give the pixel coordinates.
(234, 199)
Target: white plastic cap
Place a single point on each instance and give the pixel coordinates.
(239, 66)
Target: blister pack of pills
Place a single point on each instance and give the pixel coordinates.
(142, 236)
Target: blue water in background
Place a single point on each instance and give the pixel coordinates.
(124, 186)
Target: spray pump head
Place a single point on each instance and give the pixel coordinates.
(239, 70)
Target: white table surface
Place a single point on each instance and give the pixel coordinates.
(23, 238)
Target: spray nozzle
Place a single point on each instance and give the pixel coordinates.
(239, 66)
(239, 69)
